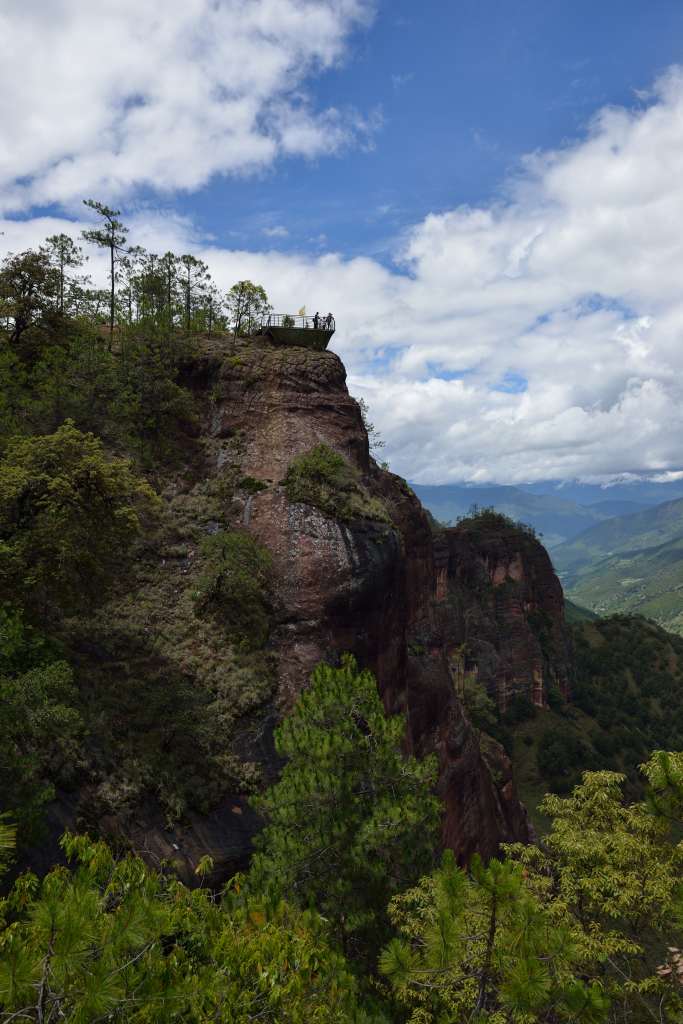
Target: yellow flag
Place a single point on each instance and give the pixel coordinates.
(302, 311)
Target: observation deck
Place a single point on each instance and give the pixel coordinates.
(306, 331)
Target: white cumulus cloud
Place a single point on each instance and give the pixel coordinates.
(101, 98)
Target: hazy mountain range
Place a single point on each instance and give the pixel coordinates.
(558, 512)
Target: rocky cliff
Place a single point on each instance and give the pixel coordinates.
(370, 576)
(502, 618)
(373, 588)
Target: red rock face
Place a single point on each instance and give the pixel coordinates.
(503, 611)
(378, 591)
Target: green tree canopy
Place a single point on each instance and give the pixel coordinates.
(64, 254)
(584, 927)
(40, 730)
(115, 941)
(479, 943)
(67, 516)
(246, 303)
(29, 296)
(110, 235)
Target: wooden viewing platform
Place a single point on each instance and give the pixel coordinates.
(287, 329)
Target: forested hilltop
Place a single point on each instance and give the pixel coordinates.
(257, 713)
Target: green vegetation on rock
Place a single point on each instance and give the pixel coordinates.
(234, 585)
(40, 725)
(160, 635)
(325, 479)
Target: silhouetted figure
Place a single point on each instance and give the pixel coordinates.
(316, 321)
(328, 321)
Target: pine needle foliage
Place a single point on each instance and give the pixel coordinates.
(476, 944)
(352, 820)
(113, 941)
(586, 928)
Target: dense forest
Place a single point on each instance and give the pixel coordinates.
(348, 909)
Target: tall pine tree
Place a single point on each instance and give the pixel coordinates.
(351, 821)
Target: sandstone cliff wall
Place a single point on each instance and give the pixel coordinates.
(503, 612)
(358, 586)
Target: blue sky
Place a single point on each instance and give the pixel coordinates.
(488, 195)
(463, 91)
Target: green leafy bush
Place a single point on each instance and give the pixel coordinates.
(323, 478)
(481, 710)
(580, 929)
(235, 584)
(520, 709)
(562, 756)
(40, 734)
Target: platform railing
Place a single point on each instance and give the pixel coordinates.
(320, 323)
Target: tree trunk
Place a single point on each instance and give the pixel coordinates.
(488, 956)
(112, 300)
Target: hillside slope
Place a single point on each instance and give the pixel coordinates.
(634, 532)
(648, 582)
(632, 563)
(627, 701)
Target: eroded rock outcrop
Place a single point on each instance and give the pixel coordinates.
(502, 615)
(360, 586)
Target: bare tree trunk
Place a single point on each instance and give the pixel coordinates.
(488, 956)
(112, 300)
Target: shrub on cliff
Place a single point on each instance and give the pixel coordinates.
(234, 585)
(40, 731)
(351, 821)
(561, 756)
(489, 521)
(323, 478)
(41, 727)
(68, 514)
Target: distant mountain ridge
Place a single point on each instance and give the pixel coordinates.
(635, 532)
(553, 517)
(631, 563)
